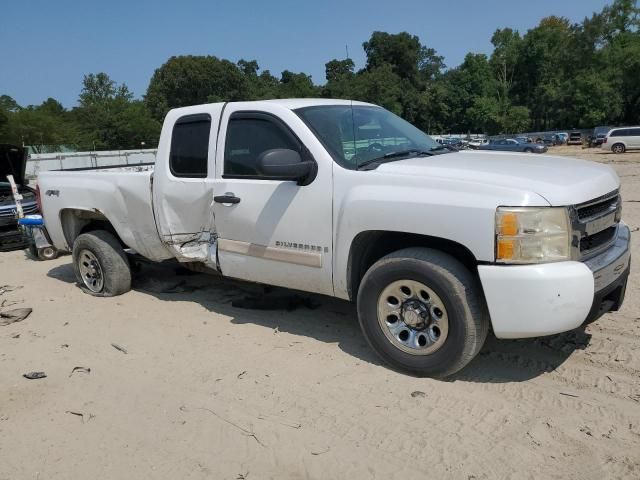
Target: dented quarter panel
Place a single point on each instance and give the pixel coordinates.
(123, 197)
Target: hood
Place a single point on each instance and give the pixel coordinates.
(13, 161)
(559, 180)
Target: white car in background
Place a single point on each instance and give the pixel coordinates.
(619, 140)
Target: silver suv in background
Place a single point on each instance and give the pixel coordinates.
(619, 140)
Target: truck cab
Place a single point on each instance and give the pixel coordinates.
(346, 199)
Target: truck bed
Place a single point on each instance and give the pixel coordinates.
(120, 194)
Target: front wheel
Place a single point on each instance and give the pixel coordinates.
(422, 312)
(101, 265)
(528, 150)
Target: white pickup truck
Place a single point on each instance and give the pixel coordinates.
(344, 198)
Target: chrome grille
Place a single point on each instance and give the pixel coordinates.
(11, 212)
(598, 208)
(595, 224)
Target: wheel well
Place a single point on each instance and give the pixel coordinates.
(75, 222)
(370, 246)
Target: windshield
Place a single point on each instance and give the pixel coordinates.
(357, 134)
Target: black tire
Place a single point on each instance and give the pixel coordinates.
(528, 150)
(459, 290)
(112, 259)
(618, 148)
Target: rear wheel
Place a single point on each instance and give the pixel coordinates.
(422, 312)
(101, 265)
(618, 148)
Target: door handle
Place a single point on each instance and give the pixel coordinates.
(227, 198)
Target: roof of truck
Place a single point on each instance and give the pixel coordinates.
(289, 103)
(293, 103)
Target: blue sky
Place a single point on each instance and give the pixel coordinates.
(46, 46)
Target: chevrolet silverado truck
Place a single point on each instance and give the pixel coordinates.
(346, 199)
(13, 161)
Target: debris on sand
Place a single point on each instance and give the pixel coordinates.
(80, 370)
(13, 316)
(34, 375)
(8, 288)
(568, 394)
(418, 393)
(119, 348)
(320, 452)
(81, 415)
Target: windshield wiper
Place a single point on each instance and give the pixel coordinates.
(392, 155)
(451, 148)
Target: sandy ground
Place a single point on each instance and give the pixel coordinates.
(207, 390)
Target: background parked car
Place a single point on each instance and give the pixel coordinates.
(598, 136)
(619, 140)
(523, 139)
(476, 143)
(575, 138)
(13, 161)
(511, 145)
(549, 139)
(452, 142)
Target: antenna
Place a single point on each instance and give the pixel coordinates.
(346, 47)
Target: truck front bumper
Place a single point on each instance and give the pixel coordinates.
(537, 300)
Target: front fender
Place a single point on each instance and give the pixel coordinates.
(461, 212)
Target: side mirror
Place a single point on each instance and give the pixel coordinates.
(285, 164)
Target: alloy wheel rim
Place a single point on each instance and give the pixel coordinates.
(413, 317)
(90, 271)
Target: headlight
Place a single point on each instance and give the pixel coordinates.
(532, 235)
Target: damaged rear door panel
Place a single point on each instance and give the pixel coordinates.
(183, 198)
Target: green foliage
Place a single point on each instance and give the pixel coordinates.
(336, 69)
(556, 75)
(191, 80)
(106, 118)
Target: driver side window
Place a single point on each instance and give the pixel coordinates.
(248, 135)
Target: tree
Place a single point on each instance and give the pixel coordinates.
(99, 88)
(190, 80)
(337, 69)
(402, 52)
(297, 85)
(108, 118)
(8, 104)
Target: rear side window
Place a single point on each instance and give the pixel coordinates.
(634, 132)
(248, 135)
(190, 146)
(623, 132)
